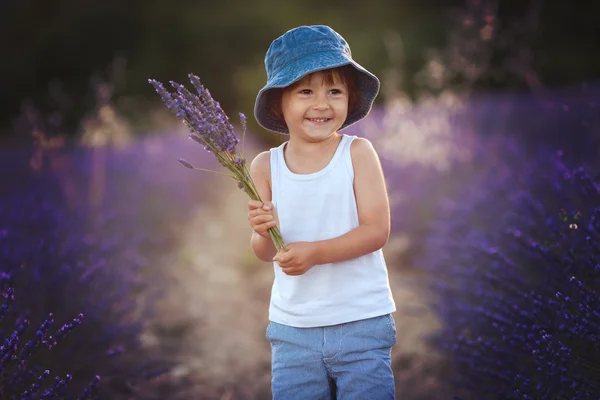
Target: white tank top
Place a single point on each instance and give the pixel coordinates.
(322, 206)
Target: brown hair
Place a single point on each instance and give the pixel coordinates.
(345, 73)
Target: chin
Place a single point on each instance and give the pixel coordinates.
(319, 136)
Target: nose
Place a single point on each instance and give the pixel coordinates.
(320, 101)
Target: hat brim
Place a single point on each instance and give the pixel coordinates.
(367, 85)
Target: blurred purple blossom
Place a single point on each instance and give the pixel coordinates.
(516, 284)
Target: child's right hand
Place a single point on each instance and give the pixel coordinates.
(262, 217)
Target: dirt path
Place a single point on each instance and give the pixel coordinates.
(221, 293)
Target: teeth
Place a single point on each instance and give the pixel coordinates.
(319, 120)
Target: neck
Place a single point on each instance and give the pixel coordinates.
(304, 148)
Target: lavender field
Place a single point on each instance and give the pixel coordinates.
(494, 259)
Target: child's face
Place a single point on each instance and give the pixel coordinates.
(314, 109)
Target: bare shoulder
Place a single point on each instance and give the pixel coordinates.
(362, 150)
(260, 171)
(261, 163)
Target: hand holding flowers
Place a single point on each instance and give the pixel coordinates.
(262, 217)
(298, 258)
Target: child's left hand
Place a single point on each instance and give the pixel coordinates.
(298, 258)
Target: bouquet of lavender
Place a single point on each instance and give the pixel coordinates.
(211, 128)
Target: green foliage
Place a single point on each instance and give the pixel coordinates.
(223, 42)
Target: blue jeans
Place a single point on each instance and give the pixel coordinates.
(346, 361)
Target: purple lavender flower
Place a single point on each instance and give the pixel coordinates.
(204, 115)
(167, 98)
(186, 164)
(64, 330)
(243, 121)
(56, 389)
(35, 387)
(211, 128)
(9, 298)
(91, 389)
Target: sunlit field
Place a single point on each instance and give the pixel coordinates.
(493, 260)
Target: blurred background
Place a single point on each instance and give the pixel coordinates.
(488, 129)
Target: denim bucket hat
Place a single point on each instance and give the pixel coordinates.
(304, 50)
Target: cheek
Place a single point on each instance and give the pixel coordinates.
(292, 112)
(287, 110)
(342, 109)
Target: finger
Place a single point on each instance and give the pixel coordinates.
(270, 224)
(254, 213)
(286, 259)
(259, 211)
(262, 219)
(264, 228)
(292, 271)
(254, 204)
(288, 264)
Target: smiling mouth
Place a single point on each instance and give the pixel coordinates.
(319, 120)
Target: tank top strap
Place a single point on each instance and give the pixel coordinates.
(275, 170)
(347, 155)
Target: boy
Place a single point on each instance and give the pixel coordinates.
(331, 328)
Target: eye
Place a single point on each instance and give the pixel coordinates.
(305, 91)
(336, 91)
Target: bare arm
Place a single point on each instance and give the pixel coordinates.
(373, 210)
(260, 171)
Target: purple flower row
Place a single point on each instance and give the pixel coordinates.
(60, 264)
(516, 261)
